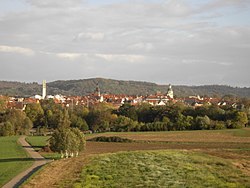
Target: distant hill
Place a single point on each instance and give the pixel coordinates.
(87, 86)
(19, 88)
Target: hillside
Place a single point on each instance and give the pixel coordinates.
(87, 86)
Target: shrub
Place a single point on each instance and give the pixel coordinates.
(218, 125)
(110, 139)
(202, 122)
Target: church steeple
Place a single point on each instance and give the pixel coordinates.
(44, 89)
(97, 90)
(170, 92)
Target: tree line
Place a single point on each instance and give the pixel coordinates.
(68, 124)
(171, 117)
(103, 117)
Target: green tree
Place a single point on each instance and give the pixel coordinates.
(81, 141)
(64, 121)
(81, 124)
(123, 123)
(143, 112)
(202, 122)
(100, 117)
(68, 142)
(184, 122)
(42, 131)
(81, 111)
(59, 142)
(218, 125)
(3, 104)
(216, 113)
(129, 111)
(27, 125)
(36, 114)
(7, 129)
(52, 113)
(22, 124)
(240, 119)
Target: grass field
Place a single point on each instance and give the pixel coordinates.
(13, 159)
(160, 169)
(231, 148)
(227, 135)
(38, 143)
(240, 132)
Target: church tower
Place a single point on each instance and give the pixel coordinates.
(170, 92)
(97, 90)
(97, 93)
(44, 89)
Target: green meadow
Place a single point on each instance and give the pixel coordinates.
(38, 143)
(13, 159)
(218, 158)
(165, 168)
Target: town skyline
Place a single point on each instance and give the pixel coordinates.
(120, 87)
(161, 41)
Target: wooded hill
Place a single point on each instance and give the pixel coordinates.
(87, 86)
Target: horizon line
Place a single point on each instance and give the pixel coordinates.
(128, 80)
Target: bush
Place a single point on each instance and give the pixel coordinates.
(110, 139)
(234, 124)
(202, 122)
(218, 125)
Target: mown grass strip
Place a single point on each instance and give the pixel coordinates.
(13, 159)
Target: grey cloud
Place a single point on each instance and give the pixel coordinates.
(166, 41)
(54, 3)
(217, 4)
(177, 8)
(16, 49)
(141, 46)
(90, 35)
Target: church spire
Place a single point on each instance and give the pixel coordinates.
(170, 92)
(97, 90)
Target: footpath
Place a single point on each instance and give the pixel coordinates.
(39, 161)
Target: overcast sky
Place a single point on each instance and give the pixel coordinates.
(191, 42)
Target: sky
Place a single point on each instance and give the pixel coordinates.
(182, 42)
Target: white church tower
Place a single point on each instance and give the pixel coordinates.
(44, 89)
(170, 92)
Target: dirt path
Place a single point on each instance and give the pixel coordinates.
(38, 162)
